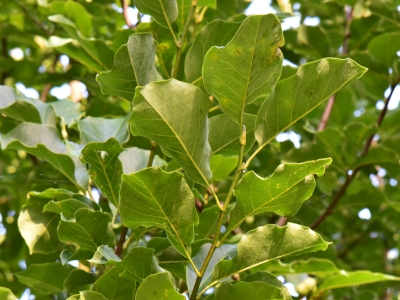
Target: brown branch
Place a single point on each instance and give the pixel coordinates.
(4, 53)
(328, 109)
(125, 7)
(350, 178)
(121, 241)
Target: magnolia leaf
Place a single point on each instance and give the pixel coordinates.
(385, 47)
(79, 280)
(222, 166)
(6, 294)
(376, 155)
(248, 290)
(153, 197)
(70, 111)
(269, 279)
(208, 221)
(345, 279)
(174, 115)
(331, 140)
(114, 287)
(158, 287)
(95, 50)
(164, 12)
(88, 229)
(67, 207)
(282, 193)
(296, 96)
(248, 67)
(215, 33)
(219, 254)
(105, 167)
(267, 243)
(224, 134)
(67, 256)
(317, 266)
(90, 295)
(356, 134)
(24, 109)
(134, 65)
(136, 159)
(43, 141)
(45, 278)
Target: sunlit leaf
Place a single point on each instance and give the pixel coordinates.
(158, 287)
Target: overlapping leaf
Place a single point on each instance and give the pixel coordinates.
(158, 287)
(164, 12)
(153, 197)
(283, 192)
(268, 243)
(136, 159)
(248, 290)
(248, 67)
(174, 115)
(134, 65)
(114, 287)
(385, 48)
(296, 96)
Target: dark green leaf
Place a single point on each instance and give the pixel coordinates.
(248, 290)
(79, 280)
(164, 12)
(269, 279)
(114, 287)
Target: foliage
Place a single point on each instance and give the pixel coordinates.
(170, 176)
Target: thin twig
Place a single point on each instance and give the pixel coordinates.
(4, 53)
(121, 241)
(350, 178)
(331, 101)
(124, 5)
(152, 153)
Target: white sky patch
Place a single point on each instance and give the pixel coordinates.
(28, 92)
(311, 21)
(281, 278)
(74, 263)
(392, 254)
(382, 172)
(61, 92)
(16, 53)
(26, 295)
(291, 135)
(96, 195)
(364, 214)
(64, 60)
(393, 182)
(260, 7)
(374, 180)
(288, 63)
(291, 289)
(395, 99)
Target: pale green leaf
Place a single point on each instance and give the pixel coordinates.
(43, 141)
(114, 287)
(153, 197)
(45, 278)
(215, 33)
(346, 279)
(90, 295)
(158, 287)
(385, 47)
(174, 115)
(248, 290)
(135, 159)
(105, 167)
(88, 229)
(282, 193)
(164, 12)
(377, 155)
(70, 111)
(267, 243)
(224, 134)
(296, 96)
(248, 67)
(222, 166)
(134, 65)
(80, 16)
(94, 129)
(6, 294)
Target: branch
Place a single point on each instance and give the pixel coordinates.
(331, 101)
(121, 241)
(125, 6)
(350, 178)
(152, 153)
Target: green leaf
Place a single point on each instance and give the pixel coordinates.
(90, 295)
(164, 12)
(331, 141)
(282, 193)
(79, 280)
(135, 159)
(114, 287)
(95, 50)
(43, 141)
(45, 278)
(267, 243)
(67, 207)
(105, 167)
(384, 47)
(38, 227)
(248, 67)
(134, 65)
(345, 279)
(101, 129)
(67, 256)
(215, 33)
(219, 254)
(377, 155)
(83, 20)
(70, 111)
(356, 134)
(89, 229)
(158, 287)
(296, 96)
(208, 221)
(316, 266)
(153, 197)
(174, 115)
(6, 294)
(248, 290)
(139, 263)
(184, 7)
(222, 166)
(24, 109)
(224, 134)
(271, 280)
